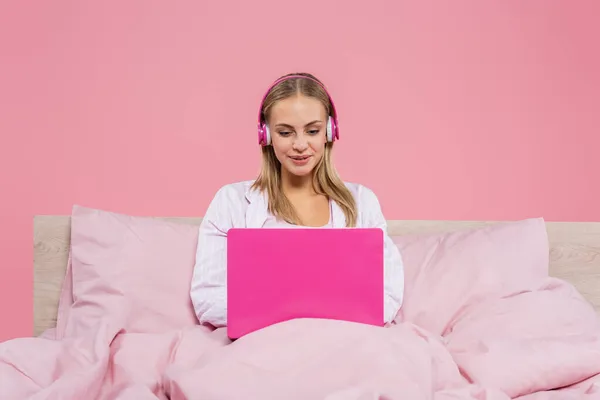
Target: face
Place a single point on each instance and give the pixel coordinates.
(298, 133)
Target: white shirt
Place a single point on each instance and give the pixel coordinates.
(236, 205)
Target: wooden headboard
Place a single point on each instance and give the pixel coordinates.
(574, 256)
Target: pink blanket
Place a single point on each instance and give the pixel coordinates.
(536, 345)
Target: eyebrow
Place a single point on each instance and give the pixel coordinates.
(291, 127)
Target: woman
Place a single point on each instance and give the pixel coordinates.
(297, 187)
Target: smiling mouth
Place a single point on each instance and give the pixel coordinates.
(299, 158)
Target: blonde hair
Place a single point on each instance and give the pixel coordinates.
(326, 180)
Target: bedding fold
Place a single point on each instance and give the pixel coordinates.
(537, 345)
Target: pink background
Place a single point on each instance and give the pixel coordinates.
(458, 110)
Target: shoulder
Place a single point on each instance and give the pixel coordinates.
(231, 198)
(228, 206)
(233, 192)
(367, 205)
(364, 196)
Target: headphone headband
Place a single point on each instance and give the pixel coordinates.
(264, 136)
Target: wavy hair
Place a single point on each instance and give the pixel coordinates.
(326, 180)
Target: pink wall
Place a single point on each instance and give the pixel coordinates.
(462, 110)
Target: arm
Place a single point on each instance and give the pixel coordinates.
(209, 280)
(393, 265)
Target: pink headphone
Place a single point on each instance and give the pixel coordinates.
(264, 135)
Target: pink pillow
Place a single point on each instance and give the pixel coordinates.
(539, 340)
(447, 272)
(138, 268)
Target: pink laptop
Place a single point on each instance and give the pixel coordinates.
(274, 275)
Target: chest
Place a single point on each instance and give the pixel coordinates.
(313, 211)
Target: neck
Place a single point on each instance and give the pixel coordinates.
(292, 184)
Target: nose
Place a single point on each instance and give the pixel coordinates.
(300, 142)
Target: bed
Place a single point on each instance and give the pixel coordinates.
(574, 256)
(493, 310)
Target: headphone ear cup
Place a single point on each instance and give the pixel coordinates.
(264, 136)
(335, 129)
(329, 130)
(267, 135)
(261, 135)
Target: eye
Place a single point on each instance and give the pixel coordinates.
(314, 131)
(285, 133)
